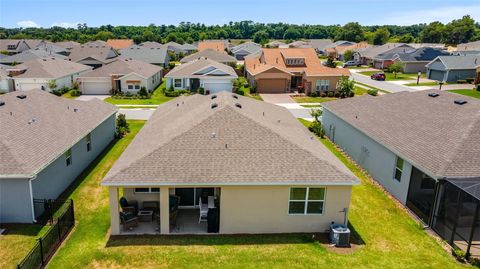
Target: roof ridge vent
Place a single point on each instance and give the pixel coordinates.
(214, 105)
(460, 102)
(21, 96)
(433, 94)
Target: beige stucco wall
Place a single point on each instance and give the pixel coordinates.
(265, 210)
(313, 80)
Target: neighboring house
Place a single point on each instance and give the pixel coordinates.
(477, 79)
(6, 82)
(453, 68)
(428, 45)
(256, 163)
(180, 48)
(13, 46)
(276, 44)
(416, 60)
(45, 143)
(216, 45)
(340, 50)
(212, 55)
(36, 74)
(332, 49)
(320, 44)
(208, 74)
(245, 49)
(93, 54)
(52, 48)
(68, 45)
(151, 44)
(28, 55)
(286, 70)
(299, 44)
(125, 75)
(157, 56)
(385, 59)
(366, 56)
(119, 44)
(423, 150)
(469, 46)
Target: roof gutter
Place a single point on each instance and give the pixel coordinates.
(184, 184)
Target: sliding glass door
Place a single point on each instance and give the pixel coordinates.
(189, 197)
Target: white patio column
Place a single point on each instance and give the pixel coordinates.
(114, 210)
(164, 210)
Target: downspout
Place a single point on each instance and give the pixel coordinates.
(31, 198)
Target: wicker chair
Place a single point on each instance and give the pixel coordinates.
(128, 220)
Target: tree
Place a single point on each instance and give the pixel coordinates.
(316, 113)
(381, 36)
(395, 68)
(104, 35)
(122, 126)
(348, 55)
(52, 84)
(351, 31)
(460, 31)
(346, 86)
(260, 37)
(291, 33)
(433, 33)
(330, 62)
(316, 126)
(406, 38)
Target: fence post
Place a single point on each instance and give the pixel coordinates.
(73, 212)
(41, 250)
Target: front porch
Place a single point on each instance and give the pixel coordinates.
(139, 211)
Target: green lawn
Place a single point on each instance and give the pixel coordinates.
(68, 95)
(391, 76)
(429, 83)
(467, 92)
(388, 236)
(246, 90)
(157, 98)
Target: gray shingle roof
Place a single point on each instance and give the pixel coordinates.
(186, 142)
(250, 47)
(193, 69)
(149, 55)
(41, 127)
(28, 55)
(209, 54)
(50, 68)
(374, 51)
(424, 54)
(124, 67)
(95, 50)
(320, 44)
(434, 134)
(459, 62)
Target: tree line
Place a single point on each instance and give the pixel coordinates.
(457, 31)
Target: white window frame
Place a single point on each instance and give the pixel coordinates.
(400, 169)
(307, 200)
(130, 86)
(68, 157)
(88, 140)
(146, 192)
(175, 82)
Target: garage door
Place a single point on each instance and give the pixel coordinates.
(436, 75)
(218, 87)
(96, 87)
(28, 86)
(271, 85)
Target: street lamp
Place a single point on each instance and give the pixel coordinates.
(418, 77)
(441, 83)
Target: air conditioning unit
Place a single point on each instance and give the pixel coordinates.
(340, 235)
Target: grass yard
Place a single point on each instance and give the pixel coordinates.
(429, 83)
(157, 98)
(68, 95)
(368, 86)
(391, 76)
(246, 90)
(467, 92)
(392, 239)
(310, 99)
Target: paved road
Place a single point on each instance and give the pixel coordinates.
(137, 113)
(284, 99)
(384, 85)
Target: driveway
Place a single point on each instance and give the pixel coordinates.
(284, 99)
(90, 97)
(137, 113)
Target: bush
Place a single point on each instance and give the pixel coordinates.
(372, 92)
(313, 94)
(461, 81)
(171, 65)
(201, 90)
(330, 94)
(253, 89)
(143, 93)
(75, 93)
(122, 126)
(478, 87)
(336, 94)
(317, 128)
(459, 254)
(351, 94)
(470, 80)
(323, 94)
(76, 85)
(240, 92)
(172, 93)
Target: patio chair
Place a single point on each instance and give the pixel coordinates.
(203, 211)
(174, 202)
(128, 220)
(129, 206)
(151, 206)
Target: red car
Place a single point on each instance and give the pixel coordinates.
(378, 76)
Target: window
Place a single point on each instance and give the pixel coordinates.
(68, 157)
(147, 190)
(306, 201)
(89, 142)
(398, 169)
(130, 86)
(137, 86)
(177, 83)
(322, 85)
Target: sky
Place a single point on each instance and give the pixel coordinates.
(68, 13)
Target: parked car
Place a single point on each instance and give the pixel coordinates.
(350, 63)
(378, 76)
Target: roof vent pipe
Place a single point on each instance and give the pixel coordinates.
(2, 103)
(460, 102)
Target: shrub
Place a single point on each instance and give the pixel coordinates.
(143, 92)
(172, 93)
(459, 254)
(470, 80)
(323, 94)
(239, 92)
(122, 126)
(372, 92)
(317, 128)
(336, 94)
(478, 87)
(461, 81)
(351, 94)
(253, 89)
(75, 93)
(171, 65)
(201, 90)
(75, 85)
(330, 94)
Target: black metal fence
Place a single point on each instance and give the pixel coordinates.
(46, 245)
(47, 210)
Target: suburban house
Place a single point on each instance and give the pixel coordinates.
(276, 44)
(416, 60)
(331, 50)
(211, 54)
(453, 68)
(273, 178)
(366, 56)
(292, 69)
(299, 44)
(424, 150)
(28, 55)
(157, 56)
(46, 142)
(6, 82)
(151, 44)
(471, 46)
(93, 54)
(428, 45)
(477, 79)
(68, 45)
(245, 49)
(13, 46)
(180, 48)
(217, 45)
(123, 75)
(119, 44)
(320, 44)
(340, 50)
(385, 59)
(208, 74)
(37, 73)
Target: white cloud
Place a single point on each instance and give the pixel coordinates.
(27, 24)
(65, 24)
(443, 14)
